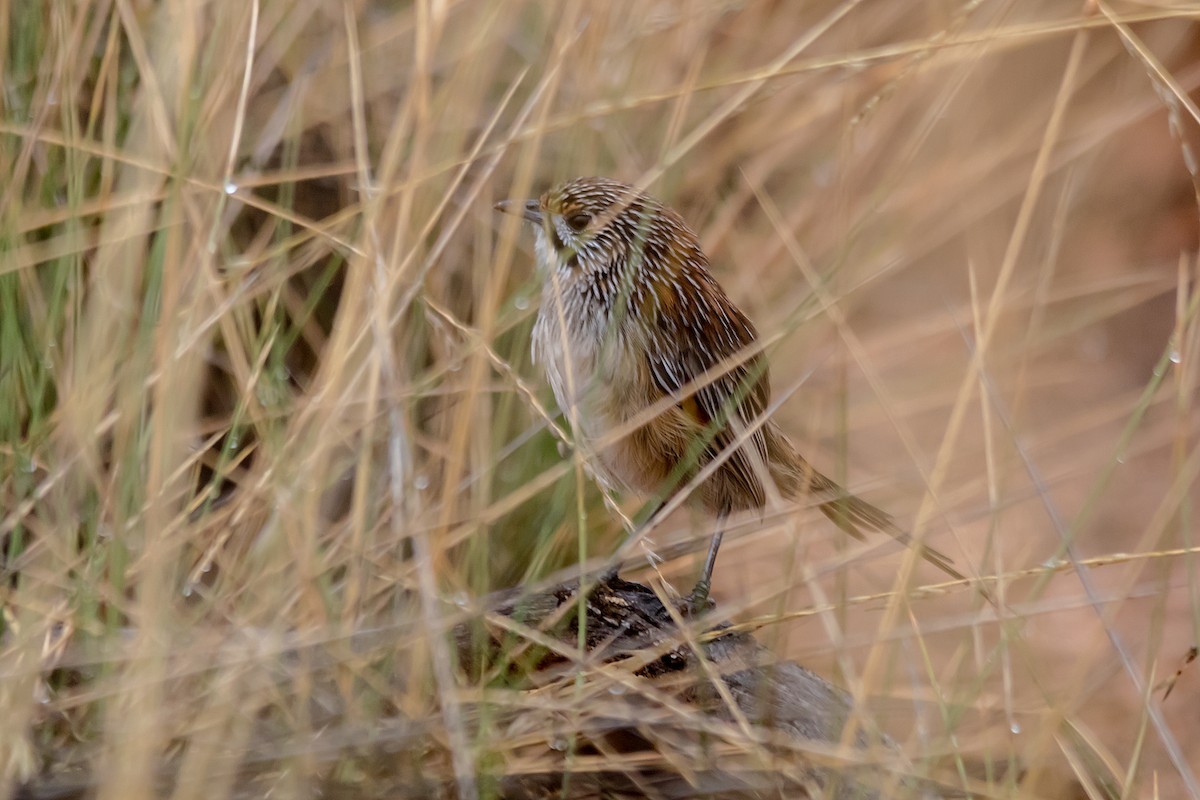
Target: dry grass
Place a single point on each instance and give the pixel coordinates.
(266, 386)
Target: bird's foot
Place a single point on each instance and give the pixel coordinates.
(698, 600)
(607, 577)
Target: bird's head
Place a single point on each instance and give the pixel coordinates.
(592, 224)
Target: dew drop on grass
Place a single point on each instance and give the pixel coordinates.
(522, 303)
(1015, 727)
(230, 187)
(1175, 356)
(421, 481)
(559, 744)
(824, 173)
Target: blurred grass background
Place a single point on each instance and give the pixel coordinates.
(265, 384)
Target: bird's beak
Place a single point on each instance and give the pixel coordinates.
(531, 210)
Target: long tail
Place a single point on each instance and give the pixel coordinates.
(797, 479)
(853, 514)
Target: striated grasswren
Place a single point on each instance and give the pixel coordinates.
(661, 368)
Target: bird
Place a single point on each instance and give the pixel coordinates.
(660, 371)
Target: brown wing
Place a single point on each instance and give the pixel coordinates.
(696, 336)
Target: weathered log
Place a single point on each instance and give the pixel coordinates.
(646, 716)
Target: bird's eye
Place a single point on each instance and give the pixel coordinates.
(579, 220)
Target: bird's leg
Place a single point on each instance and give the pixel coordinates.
(656, 505)
(698, 598)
